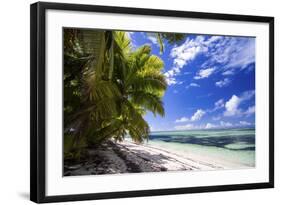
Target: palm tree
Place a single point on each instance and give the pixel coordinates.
(86, 55)
(117, 86)
(141, 85)
(170, 37)
(138, 86)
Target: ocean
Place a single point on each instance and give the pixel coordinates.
(229, 147)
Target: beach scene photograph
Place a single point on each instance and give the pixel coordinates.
(142, 102)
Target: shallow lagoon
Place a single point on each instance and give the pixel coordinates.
(232, 146)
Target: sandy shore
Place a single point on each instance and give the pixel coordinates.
(128, 157)
(164, 159)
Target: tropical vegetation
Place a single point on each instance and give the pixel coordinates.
(108, 88)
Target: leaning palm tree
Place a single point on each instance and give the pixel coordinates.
(112, 86)
(138, 85)
(115, 88)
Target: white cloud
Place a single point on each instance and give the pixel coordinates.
(187, 51)
(171, 81)
(191, 126)
(186, 127)
(152, 38)
(242, 54)
(210, 126)
(212, 40)
(231, 53)
(247, 95)
(225, 124)
(169, 73)
(193, 85)
(228, 72)
(223, 83)
(195, 117)
(219, 104)
(198, 115)
(220, 125)
(231, 106)
(183, 119)
(204, 73)
(244, 123)
(251, 110)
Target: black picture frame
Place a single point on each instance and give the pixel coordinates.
(38, 101)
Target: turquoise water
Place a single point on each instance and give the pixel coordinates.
(232, 146)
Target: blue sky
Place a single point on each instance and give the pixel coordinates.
(211, 82)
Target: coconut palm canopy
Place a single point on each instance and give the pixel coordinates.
(109, 87)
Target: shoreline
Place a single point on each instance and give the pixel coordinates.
(129, 157)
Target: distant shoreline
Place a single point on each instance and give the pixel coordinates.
(129, 157)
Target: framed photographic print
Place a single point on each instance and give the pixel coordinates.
(129, 102)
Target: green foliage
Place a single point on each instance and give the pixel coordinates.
(108, 87)
(171, 38)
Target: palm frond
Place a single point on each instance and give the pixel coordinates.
(149, 82)
(154, 63)
(149, 101)
(160, 43)
(137, 127)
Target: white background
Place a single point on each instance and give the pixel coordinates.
(14, 102)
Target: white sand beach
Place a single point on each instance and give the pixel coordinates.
(162, 159)
(129, 157)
